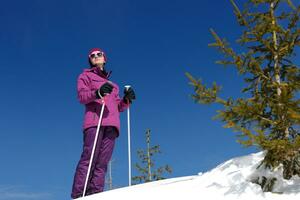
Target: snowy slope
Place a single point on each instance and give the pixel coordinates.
(229, 181)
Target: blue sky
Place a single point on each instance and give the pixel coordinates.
(149, 45)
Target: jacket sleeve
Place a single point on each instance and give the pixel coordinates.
(122, 105)
(84, 92)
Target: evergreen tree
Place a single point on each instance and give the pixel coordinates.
(268, 115)
(146, 168)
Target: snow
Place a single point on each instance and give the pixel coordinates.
(228, 181)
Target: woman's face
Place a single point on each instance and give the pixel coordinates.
(97, 58)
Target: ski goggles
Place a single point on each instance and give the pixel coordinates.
(96, 54)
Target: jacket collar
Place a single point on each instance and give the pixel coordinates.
(99, 72)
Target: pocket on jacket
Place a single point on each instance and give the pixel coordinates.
(95, 84)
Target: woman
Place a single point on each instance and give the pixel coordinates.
(94, 87)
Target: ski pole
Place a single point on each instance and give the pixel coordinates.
(94, 147)
(129, 151)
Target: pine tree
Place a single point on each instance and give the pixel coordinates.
(268, 115)
(146, 168)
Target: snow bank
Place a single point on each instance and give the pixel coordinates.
(228, 181)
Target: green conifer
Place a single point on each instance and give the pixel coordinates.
(147, 169)
(268, 114)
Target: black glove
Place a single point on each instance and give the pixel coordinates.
(106, 88)
(129, 95)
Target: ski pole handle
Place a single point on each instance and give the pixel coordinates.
(127, 87)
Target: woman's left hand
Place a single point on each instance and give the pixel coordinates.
(129, 95)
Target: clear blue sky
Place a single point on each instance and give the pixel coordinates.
(149, 45)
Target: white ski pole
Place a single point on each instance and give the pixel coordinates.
(129, 151)
(94, 147)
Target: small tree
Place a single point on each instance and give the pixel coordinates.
(269, 116)
(146, 168)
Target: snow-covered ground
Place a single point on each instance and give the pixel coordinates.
(229, 181)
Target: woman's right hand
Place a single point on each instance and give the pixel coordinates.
(105, 89)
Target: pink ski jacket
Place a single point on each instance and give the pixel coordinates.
(87, 84)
